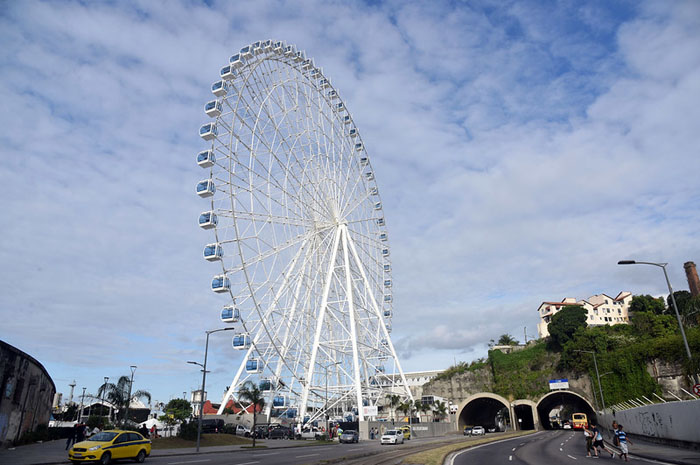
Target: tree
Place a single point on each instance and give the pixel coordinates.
(179, 409)
(647, 303)
(118, 395)
(394, 402)
(440, 410)
(424, 408)
(564, 324)
(249, 392)
(688, 306)
(507, 340)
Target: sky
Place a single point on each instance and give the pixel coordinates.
(521, 148)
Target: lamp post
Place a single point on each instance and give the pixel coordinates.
(128, 400)
(80, 412)
(325, 406)
(595, 364)
(104, 388)
(204, 380)
(673, 299)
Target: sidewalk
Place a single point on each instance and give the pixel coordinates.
(54, 452)
(650, 450)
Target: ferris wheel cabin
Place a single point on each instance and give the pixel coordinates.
(378, 206)
(387, 313)
(290, 50)
(206, 188)
(278, 47)
(230, 314)
(279, 402)
(358, 146)
(247, 52)
(385, 252)
(206, 158)
(265, 385)
(307, 64)
(213, 108)
(237, 61)
(219, 88)
(380, 222)
(241, 341)
(388, 298)
(369, 175)
(387, 268)
(324, 83)
(227, 73)
(253, 366)
(267, 46)
(387, 283)
(300, 56)
(220, 284)
(346, 119)
(208, 131)
(374, 191)
(383, 236)
(352, 132)
(213, 252)
(208, 220)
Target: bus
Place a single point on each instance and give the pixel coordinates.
(579, 420)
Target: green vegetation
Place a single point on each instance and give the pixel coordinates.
(623, 352)
(523, 373)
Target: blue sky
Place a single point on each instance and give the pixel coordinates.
(521, 149)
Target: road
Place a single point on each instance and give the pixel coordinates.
(545, 448)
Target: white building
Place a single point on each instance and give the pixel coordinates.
(602, 310)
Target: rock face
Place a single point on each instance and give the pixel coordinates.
(670, 377)
(461, 386)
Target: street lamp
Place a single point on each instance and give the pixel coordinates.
(104, 388)
(325, 407)
(80, 412)
(204, 380)
(128, 400)
(595, 364)
(670, 292)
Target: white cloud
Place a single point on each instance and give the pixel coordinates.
(520, 153)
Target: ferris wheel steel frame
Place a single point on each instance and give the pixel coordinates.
(293, 195)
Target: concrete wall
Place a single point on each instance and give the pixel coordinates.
(675, 421)
(418, 430)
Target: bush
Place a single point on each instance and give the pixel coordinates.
(188, 430)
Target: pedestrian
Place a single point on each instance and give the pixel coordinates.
(72, 436)
(588, 434)
(81, 433)
(598, 441)
(622, 438)
(616, 441)
(371, 433)
(153, 432)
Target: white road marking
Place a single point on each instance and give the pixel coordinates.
(452, 459)
(190, 461)
(521, 444)
(561, 444)
(561, 450)
(248, 463)
(571, 457)
(301, 456)
(513, 449)
(510, 458)
(356, 448)
(265, 455)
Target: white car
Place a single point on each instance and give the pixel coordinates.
(478, 431)
(567, 426)
(242, 431)
(393, 436)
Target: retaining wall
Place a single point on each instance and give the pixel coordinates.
(674, 421)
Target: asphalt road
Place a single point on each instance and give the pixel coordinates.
(545, 448)
(290, 456)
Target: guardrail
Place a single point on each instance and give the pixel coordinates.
(644, 401)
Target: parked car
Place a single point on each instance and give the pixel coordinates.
(279, 432)
(261, 432)
(392, 436)
(406, 432)
(212, 425)
(567, 425)
(242, 431)
(309, 433)
(478, 431)
(467, 431)
(112, 444)
(349, 435)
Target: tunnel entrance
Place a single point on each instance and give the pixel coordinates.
(524, 417)
(556, 408)
(485, 410)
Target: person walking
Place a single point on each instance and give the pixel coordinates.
(598, 441)
(72, 436)
(622, 437)
(588, 434)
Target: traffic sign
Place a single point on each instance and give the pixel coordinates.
(696, 389)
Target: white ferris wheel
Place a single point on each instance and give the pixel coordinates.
(300, 236)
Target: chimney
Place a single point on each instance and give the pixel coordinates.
(692, 274)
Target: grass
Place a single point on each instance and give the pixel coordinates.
(207, 440)
(437, 456)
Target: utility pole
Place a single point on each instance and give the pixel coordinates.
(128, 400)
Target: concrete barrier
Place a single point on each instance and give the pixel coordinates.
(418, 430)
(671, 421)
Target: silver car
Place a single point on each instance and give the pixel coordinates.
(393, 436)
(478, 431)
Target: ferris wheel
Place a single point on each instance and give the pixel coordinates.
(300, 237)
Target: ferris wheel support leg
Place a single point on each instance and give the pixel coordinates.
(319, 325)
(379, 315)
(353, 330)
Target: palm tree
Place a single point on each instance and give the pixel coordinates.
(118, 395)
(249, 392)
(424, 408)
(394, 402)
(440, 410)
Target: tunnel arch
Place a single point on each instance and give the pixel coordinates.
(567, 398)
(525, 415)
(482, 409)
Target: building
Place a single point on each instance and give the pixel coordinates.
(26, 394)
(601, 308)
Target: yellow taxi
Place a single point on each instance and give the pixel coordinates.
(406, 431)
(111, 445)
